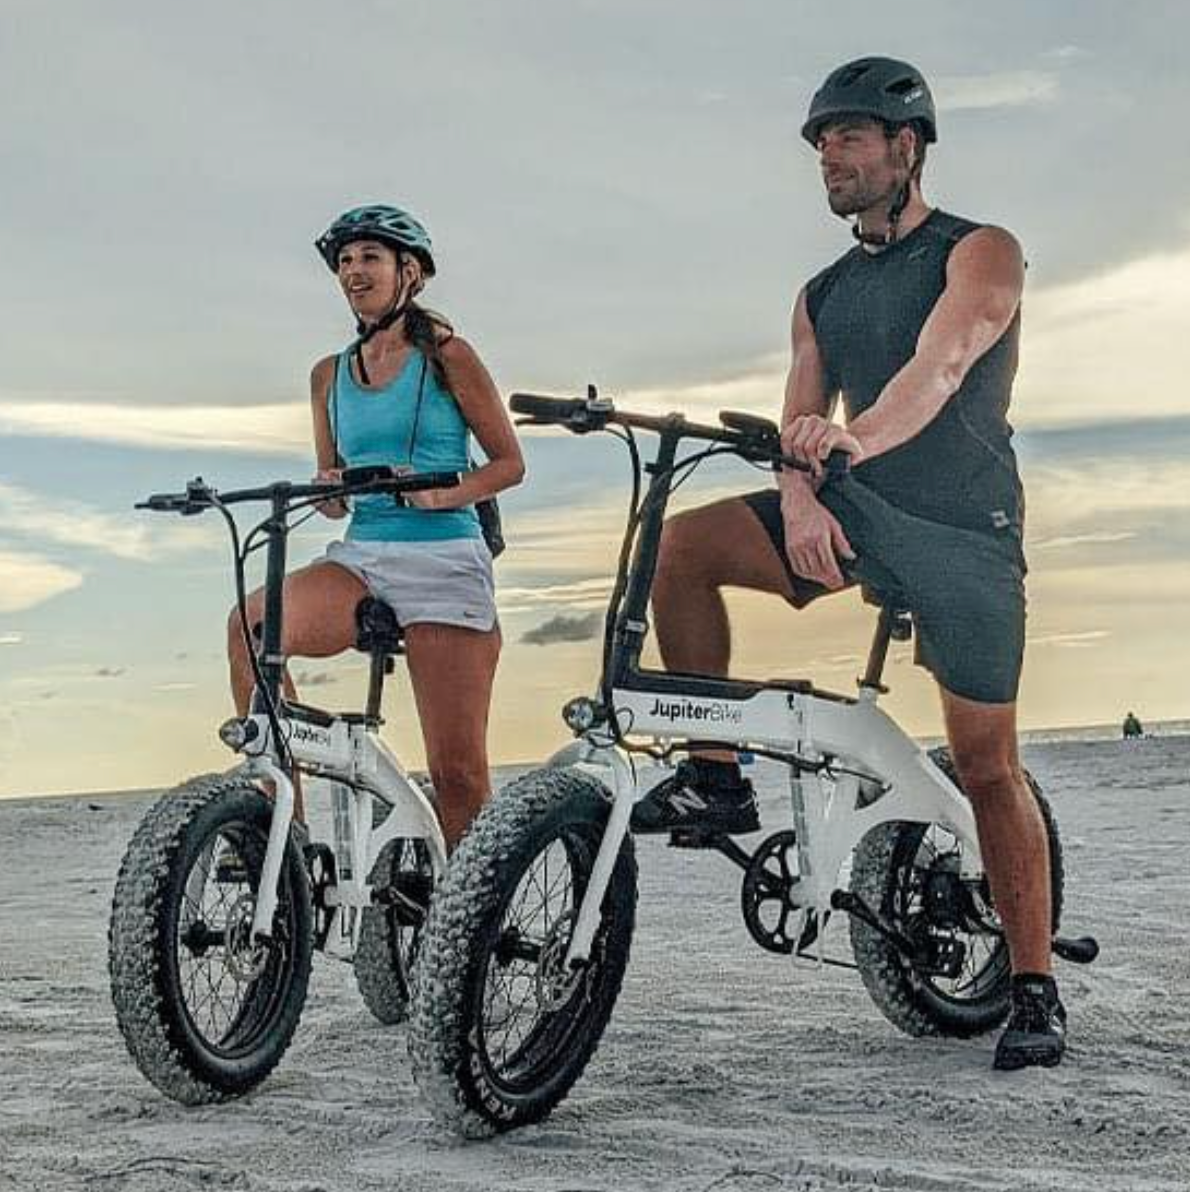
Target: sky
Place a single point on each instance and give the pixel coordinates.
(618, 195)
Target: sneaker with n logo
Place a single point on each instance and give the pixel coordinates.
(697, 797)
(1036, 1032)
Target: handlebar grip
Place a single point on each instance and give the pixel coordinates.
(546, 409)
(417, 481)
(838, 463)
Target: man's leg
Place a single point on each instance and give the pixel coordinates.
(1012, 839)
(702, 552)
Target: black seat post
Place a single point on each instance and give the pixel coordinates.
(892, 623)
(379, 635)
(382, 664)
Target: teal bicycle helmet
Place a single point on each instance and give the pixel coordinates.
(389, 225)
(884, 88)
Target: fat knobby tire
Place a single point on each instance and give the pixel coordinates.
(386, 947)
(146, 985)
(460, 939)
(903, 995)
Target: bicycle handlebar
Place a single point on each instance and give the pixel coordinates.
(380, 479)
(748, 435)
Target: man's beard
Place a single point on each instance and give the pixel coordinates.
(863, 197)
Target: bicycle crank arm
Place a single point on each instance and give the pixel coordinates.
(1082, 950)
(853, 904)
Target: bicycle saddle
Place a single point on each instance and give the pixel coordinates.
(377, 630)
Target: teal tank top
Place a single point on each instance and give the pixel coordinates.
(376, 426)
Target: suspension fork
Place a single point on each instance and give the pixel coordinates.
(274, 854)
(590, 910)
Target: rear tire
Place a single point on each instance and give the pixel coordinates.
(499, 1032)
(206, 1013)
(889, 870)
(388, 939)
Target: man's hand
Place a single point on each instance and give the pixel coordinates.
(338, 507)
(814, 540)
(811, 438)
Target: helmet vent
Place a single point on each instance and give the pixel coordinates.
(903, 86)
(852, 74)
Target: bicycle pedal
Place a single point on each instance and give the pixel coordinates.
(695, 838)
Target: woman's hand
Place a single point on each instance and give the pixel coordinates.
(337, 507)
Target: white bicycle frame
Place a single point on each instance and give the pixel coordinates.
(350, 754)
(857, 741)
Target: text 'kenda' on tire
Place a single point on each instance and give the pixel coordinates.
(207, 1011)
(501, 1029)
(909, 873)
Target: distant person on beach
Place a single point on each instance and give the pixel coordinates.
(407, 392)
(916, 328)
(1133, 726)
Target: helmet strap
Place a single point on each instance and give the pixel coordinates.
(895, 210)
(365, 331)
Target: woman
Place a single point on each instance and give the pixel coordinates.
(408, 392)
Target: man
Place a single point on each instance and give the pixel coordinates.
(916, 328)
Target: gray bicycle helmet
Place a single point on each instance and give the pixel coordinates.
(883, 88)
(389, 225)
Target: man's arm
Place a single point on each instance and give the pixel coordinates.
(984, 279)
(813, 538)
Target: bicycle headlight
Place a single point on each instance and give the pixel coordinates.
(236, 732)
(582, 714)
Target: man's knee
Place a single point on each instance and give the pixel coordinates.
(686, 551)
(460, 777)
(988, 775)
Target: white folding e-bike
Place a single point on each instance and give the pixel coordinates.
(221, 899)
(528, 935)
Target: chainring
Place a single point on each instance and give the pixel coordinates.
(774, 918)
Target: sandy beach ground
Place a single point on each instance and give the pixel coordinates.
(724, 1068)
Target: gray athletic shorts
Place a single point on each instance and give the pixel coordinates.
(965, 588)
(447, 583)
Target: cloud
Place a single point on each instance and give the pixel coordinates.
(109, 672)
(75, 524)
(1066, 540)
(584, 594)
(1073, 641)
(281, 428)
(564, 628)
(175, 687)
(955, 93)
(11, 639)
(27, 580)
(1067, 53)
(1112, 339)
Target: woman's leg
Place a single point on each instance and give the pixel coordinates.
(320, 605)
(319, 621)
(451, 669)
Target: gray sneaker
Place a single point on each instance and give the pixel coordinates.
(685, 801)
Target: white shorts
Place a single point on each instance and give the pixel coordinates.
(448, 582)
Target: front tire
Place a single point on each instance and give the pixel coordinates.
(906, 872)
(206, 1011)
(500, 1031)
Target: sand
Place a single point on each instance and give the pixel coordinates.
(724, 1067)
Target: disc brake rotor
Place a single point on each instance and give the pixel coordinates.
(555, 984)
(246, 958)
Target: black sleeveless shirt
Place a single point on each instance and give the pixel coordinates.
(867, 310)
